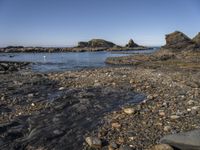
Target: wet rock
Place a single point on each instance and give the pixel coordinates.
(94, 142)
(162, 147)
(184, 141)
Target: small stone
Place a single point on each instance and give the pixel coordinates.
(116, 125)
(131, 81)
(57, 132)
(149, 97)
(93, 142)
(167, 128)
(32, 104)
(124, 147)
(162, 147)
(174, 117)
(195, 108)
(61, 88)
(30, 95)
(194, 112)
(129, 110)
(190, 102)
(112, 146)
(97, 84)
(161, 113)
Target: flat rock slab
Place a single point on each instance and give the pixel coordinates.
(184, 141)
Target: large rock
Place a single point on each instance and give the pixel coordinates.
(94, 43)
(184, 141)
(131, 44)
(177, 40)
(196, 39)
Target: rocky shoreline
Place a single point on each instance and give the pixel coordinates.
(124, 108)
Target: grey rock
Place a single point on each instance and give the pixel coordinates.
(184, 141)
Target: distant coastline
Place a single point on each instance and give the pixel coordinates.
(93, 45)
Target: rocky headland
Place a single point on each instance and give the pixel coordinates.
(151, 103)
(92, 45)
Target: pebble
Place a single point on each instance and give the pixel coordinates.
(93, 142)
(190, 102)
(61, 88)
(174, 117)
(161, 113)
(162, 147)
(167, 128)
(124, 147)
(116, 125)
(129, 110)
(30, 95)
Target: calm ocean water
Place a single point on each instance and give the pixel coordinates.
(51, 62)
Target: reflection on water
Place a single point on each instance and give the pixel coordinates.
(49, 62)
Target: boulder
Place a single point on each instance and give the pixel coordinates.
(184, 141)
(196, 39)
(95, 43)
(177, 40)
(131, 44)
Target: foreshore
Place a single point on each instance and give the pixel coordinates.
(59, 110)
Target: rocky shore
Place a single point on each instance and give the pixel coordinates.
(122, 107)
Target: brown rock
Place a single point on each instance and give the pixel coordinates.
(177, 40)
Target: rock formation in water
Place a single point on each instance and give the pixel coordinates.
(131, 44)
(94, 43)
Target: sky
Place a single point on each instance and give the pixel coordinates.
(65, 22)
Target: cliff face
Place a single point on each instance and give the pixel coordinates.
(96, 43)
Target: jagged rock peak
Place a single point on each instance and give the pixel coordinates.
(131, 43)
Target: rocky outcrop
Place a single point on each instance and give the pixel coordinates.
(131, 44)
(196, 39)
(96, 43)
(177, 40)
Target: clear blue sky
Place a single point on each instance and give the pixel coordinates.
(65, 22)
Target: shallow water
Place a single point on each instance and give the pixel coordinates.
(51, 62)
